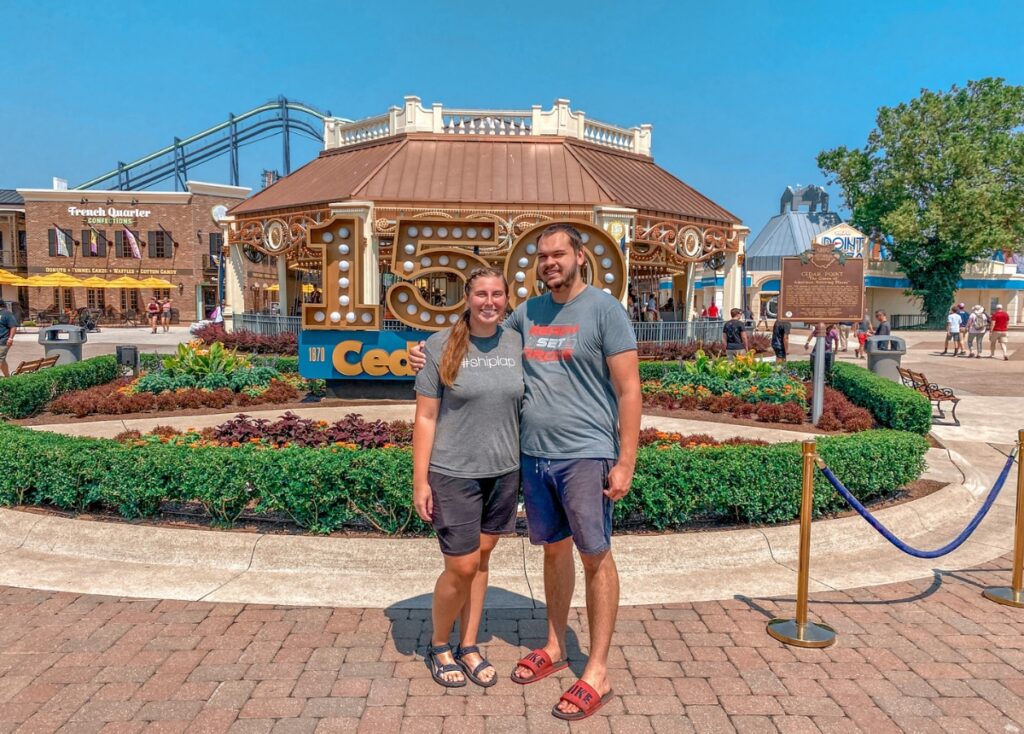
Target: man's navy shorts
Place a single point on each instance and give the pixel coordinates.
(566, 497)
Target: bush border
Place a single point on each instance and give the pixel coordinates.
(323, 489)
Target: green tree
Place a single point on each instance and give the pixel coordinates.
(944, 175)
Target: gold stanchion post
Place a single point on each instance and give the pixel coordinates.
(1013, 595)
(799, 631)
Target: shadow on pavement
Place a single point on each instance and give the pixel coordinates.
(510, 619)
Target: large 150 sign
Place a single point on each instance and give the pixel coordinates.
(341, 336)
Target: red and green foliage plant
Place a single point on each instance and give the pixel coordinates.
(114, 398)
(244, 340)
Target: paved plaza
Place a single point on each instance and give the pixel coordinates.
(170, 645)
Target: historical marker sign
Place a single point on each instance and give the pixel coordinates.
(822, 286)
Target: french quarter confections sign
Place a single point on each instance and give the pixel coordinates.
(108, 215)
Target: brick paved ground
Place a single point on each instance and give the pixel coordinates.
(931, 656)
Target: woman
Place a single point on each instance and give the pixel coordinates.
(831, 345)
(466, 465)
(153, 312)
(165, 313)
(977, 326)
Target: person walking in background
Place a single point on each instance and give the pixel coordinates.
(780, 340)
(734, 335)
(953, 331)
(999, 333)
(977, 325)
(864, 330)
(165, 313)
(762, 317)
(965, 315)
(466, 466)
(153, 313)
(8, 327)
(844, 335)
(831, 345)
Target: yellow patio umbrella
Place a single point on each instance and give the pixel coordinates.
(274, 288)
(60, 280)
(125, 281)
(155, 283)
(35, 280)
(7, 278)
(95, 282)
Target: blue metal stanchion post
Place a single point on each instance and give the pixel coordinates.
(1013, 595)
(799, 631)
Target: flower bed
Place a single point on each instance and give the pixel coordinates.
(323, 489)
(197, 376)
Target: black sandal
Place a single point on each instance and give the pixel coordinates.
(438, 669)
(482, 665)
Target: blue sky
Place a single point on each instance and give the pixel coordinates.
(742, 97)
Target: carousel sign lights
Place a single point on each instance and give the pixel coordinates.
(341, 337)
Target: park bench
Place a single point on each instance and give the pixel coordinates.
(937, 395)
(34, 365)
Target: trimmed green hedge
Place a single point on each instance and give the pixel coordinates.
(153, 362)
(23, 395)
(893, 405)
(322, 489)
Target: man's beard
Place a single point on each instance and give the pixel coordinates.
(569, 278)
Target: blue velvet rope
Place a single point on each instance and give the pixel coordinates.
(888, 535)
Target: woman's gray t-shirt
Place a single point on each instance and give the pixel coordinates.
(477, 432)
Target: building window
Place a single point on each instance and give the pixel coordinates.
(95, 298)
(55, 248)
(122, 246)
(22, 242)
(161, 293)
(129, 299)
(94, 235)
(216, 244)
(161, 244)
(62, 303)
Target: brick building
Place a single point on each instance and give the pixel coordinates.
(85, 233)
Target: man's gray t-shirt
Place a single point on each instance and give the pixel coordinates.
(570, 410)
(477, 432)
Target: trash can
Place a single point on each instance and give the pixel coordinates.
(884, 355)
(128, 358)
(63, 341)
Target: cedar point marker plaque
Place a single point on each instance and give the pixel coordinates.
(822, 286)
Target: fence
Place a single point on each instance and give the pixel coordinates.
(907, 320)
(658, 332)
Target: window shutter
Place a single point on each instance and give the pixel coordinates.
(101, 247)
(119, 243)
(152, 243)
(52, 236)
(86, 251)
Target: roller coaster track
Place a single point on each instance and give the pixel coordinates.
(281, 116)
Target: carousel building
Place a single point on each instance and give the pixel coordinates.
(510, 169)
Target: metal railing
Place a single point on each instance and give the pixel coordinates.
(907, 320)
(678, 331)
(266, 324)
(646, 331)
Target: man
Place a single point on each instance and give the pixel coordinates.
(8, 326)
(999, 334)
(965, 316)
(734, 335)
(580, 426)
(953, 330)
(844, 335)
(713, 311)
(780, 340)
(883, 328)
